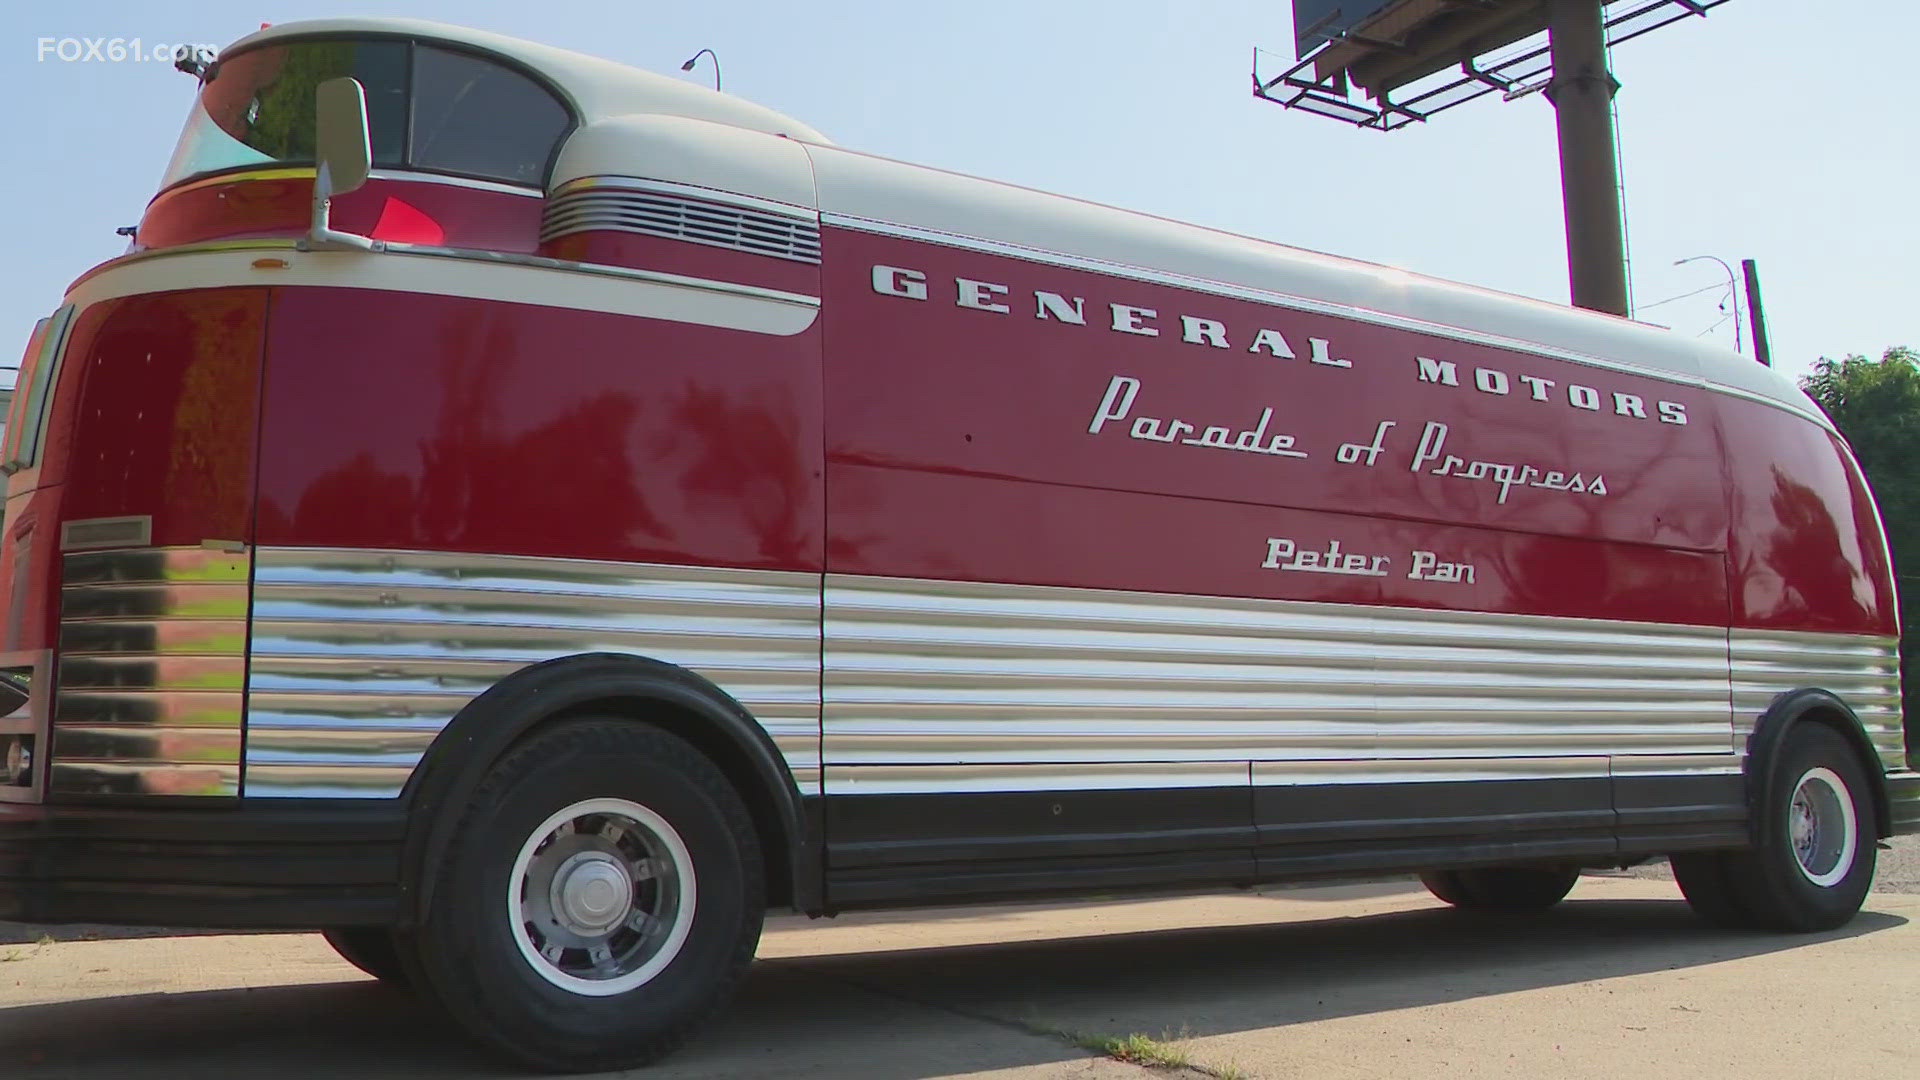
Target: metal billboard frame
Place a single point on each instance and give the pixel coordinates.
(1331, 95)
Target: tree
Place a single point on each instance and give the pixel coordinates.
(1876, 405)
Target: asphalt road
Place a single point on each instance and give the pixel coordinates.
(1325, 983)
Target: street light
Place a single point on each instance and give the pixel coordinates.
(1733, 290)
(695, 58)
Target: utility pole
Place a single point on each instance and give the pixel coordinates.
(1582, 94)
(1756, 318)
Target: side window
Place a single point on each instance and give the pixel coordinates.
(476, 118)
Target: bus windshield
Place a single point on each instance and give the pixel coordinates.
(257, 107)
(429, 109)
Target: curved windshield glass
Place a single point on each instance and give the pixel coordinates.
(257, 107)
(427, 108)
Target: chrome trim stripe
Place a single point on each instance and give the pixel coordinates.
(361, 657)
(689, 191)
(452, 181)
(699, 219)
(297, 173)
(142, 709)
(115, 636)
(1682, 765)
(153, 565)
(152, 672)
(207, 673)
(629, 273)
(234, 177)
(948, 673)
(73, 742)
(483, 275)
(195, 600)
(302, 782)
(955, 779)
(1862, 671)
(1426, 771)
(1298, 303)
(168, 778)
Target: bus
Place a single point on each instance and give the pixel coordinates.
(528, 517)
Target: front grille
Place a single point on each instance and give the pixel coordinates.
(152, 679)
(754, 226)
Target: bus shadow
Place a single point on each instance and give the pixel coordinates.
(913, 1014)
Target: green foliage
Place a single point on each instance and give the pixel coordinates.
(1876, 405)
(1136, 1049)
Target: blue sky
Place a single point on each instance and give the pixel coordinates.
(1741, 136)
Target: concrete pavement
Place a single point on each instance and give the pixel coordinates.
(1324, 983)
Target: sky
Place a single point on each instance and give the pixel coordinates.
(1746, 134)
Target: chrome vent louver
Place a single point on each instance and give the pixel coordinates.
(152, 673)
(675, 212)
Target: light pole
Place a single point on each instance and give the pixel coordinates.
(1733, 291)
(695, 58)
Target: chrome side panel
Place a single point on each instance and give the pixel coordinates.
(1862, 671)
(152, 673)
(361, 657)
(924, 673)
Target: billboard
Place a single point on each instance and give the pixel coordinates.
(1315, 21)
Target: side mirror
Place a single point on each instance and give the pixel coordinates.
(342, 147)
(343, 155)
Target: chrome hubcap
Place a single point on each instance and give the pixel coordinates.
(601, 897)
(1821, 827)
(591, 893)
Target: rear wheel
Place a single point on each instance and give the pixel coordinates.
(1814, 851)
(370, 949)
(600, 899)
(1502, 888)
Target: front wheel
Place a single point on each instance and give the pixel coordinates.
(1814, 848)
(601, 897)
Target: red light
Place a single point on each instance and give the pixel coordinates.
(404, 223)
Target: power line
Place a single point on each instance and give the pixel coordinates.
(1715, 326)
(1682, 296)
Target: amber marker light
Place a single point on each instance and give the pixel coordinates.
(269, 264)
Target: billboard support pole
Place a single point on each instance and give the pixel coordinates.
(1582, 94)
(1756, 317)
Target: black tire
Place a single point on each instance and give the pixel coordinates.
(493, 976)
(1507, 889)
(372, 950)
(1767, 886)
(1706, 881)
(1446, 886)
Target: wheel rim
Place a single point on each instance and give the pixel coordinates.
(1821, 827)
(601, 897)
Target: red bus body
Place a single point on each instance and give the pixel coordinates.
(1020, 545)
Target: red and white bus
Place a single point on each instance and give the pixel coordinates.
(622, 511)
